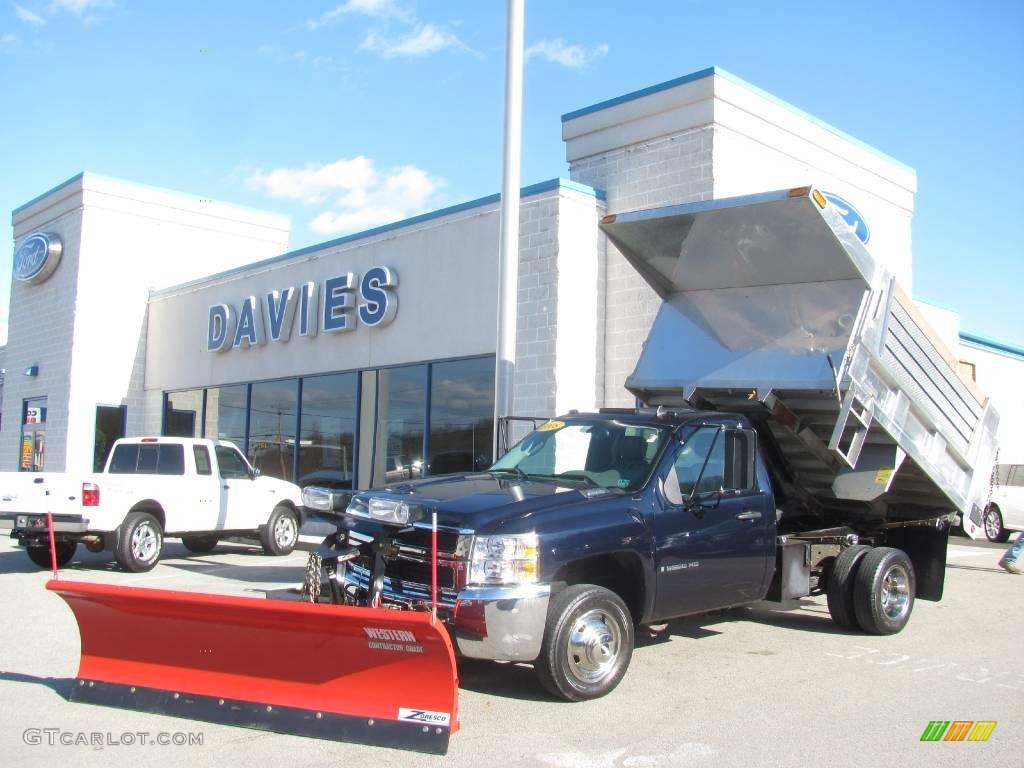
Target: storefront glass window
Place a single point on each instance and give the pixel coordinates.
(183, 416)
(225, 414)
(461, 416)
(328, 431)
(398, 424)
(272, 414)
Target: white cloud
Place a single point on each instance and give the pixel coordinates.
(379, 9)
(78, 7)
(558, 52)
(362, 196)
(8, 40)
(313, 183)
(26, 15)
(423, 40)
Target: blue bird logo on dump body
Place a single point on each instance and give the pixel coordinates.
(851, 216)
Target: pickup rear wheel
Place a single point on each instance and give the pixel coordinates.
(883, 592)
(993, 522)
(281, 533)
(840, 586)
(199, 545)
(41, 555)
(139, 542)
(588, 642)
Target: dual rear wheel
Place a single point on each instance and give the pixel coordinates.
(873, 589)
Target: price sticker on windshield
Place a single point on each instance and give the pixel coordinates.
(551, 426)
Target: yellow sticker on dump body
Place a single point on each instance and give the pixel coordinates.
(550, 426)
(883, 475)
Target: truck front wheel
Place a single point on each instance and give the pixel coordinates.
(281, 533)
(588, 642)
(883, 593)
(41, 555)
(139, 542)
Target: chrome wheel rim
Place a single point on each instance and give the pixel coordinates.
(593, 647)
(992, 525)
(145, 543)
(896, 592)
(284, 531)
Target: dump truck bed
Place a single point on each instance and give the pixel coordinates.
(773, 307)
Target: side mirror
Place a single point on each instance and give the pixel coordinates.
(255, 473)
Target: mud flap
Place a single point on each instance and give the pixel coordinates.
(369, 676)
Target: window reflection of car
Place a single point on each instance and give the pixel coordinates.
(454, 462)
(397, 468)
(328, 478)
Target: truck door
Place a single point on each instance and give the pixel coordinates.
(238, 502)
(712, 533)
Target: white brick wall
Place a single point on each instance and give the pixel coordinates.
(85, 327)
(664, 171)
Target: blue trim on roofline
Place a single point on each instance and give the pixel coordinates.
(529, 191)
(711, 71)
(936, 304)
(47, 193)
(982, 342)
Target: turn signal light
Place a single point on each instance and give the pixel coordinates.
(90, 495)
(799, 191)
(819, 199)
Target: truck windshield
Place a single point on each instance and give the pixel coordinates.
(609, 454)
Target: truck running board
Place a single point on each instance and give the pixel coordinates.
(362, 675)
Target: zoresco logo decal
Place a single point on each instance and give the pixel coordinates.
(851, 216)
(37, 257)
(958, 730)
(407, 715)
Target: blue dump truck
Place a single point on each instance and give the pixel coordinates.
(802, 431)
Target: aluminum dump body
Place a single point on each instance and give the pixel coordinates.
(773, 307)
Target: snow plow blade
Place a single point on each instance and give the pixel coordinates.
(368, 676)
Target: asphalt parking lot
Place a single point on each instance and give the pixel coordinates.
(757, 686)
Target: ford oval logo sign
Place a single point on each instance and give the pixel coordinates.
(851, 216)
(37, 257)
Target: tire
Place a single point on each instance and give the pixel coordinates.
(139, 542)
(840, 586)
(281, 533)
(884, 590)
(200, 545)
(993, 524)
(588, 643)
(41, 555)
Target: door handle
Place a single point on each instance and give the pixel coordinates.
(226, 487)
(749, 516)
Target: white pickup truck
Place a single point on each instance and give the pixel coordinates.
(199, 490)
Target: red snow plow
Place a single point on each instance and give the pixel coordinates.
(357, 674)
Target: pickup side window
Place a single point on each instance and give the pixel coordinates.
(136, 459)
(202, 460)
(231, 463)
(712, 460)
(170, 460)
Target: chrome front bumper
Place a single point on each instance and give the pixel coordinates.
(497, 623)
(502, 623)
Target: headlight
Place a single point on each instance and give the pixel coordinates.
(386, 511)
(504, 559)
(319, 499)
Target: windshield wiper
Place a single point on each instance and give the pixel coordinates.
(517, 471)
(577, 475)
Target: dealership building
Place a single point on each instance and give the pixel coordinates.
(371, 357)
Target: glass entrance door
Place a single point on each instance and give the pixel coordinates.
(33, 436)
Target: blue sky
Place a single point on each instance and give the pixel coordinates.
(348, 115)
